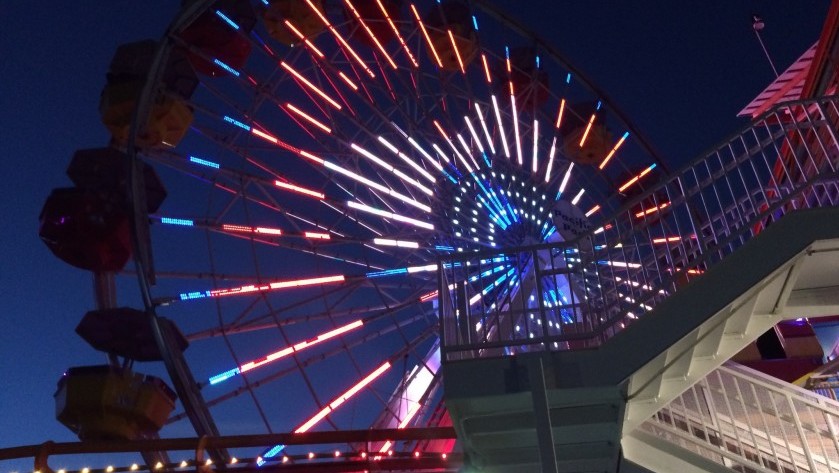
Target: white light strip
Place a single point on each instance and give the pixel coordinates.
(565, 178)
(468, 151)
(397, 243)
(407, 160)
(484, 126)
(516, 130)
(376, 185)
(474, 134)
(578, 197)
(500, 127)
(390, 215)
(550, 161)
(425, 154)
(397, 172)
(535, 166)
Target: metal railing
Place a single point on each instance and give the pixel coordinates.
(578, 294)
(749, 421)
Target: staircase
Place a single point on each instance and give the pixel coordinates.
(653, 300)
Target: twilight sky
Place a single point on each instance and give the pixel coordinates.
(680, 70)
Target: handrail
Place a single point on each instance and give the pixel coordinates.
(753, 421)
(579, 293)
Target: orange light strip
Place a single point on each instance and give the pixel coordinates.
(636, 178)
(456, 51)
(672, 239)
(310, 85)
(593, 209)
(588, 128)
(342, 398)
(486, 68)
(396, 32)
(300, 35)
(264, 136)
(341, 39)
(370, 33)
(559, 115)
(348, 81)
(652, 210)
(427, 38)
(614, 150)
(309, 118)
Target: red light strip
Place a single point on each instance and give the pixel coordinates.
(341, 39)
(427, 38)
(299, 346)
(303, 38)
(246, 229)
(588, 128)
(428, 297)
(310, 85)
(396, 32)
(614, 150)
(308, 117)
(370, 33)
(348, 81)
(636, 178)
(274, 285)
(667, 240)
(342, 398)
(298, 189)
(652, 210)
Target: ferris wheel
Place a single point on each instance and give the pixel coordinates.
(301, 166)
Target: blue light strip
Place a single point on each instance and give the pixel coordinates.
(226, 67)
(177, 221)
(188, 296)
(475, 22)
(271, 453)
(237, 123)
(568, 78)
(203, 162)
(492, 214)
(227, 20)
(444, 248)
(386, 272)
(224, 376)
(486, 160)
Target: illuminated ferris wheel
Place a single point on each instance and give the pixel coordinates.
(319, 157)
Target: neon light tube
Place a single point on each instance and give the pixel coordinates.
(486, 68)
(636, 178)
(348, 81)
(516, 126)
(500, 127)
(551, 155)
(309, 118)
(673, 239)
(407, 160)
(264, 136)
(396, 32)
(453, 147)
(370, 33)
(613, 151)
(303, 38)
(588, 128)
(285, 352)
(456, 52)
(261, 288)
(204, 162)
(652, 210)
(390, 215)
(341, 39)
(565, 180)
(578, 197)
(376, 185)
(559, 114)
(245, 229)
(310, 85)
(592, 210)
(342, 398)
(397, 243)
(317, 235)
(484, 127)
(474, 134)
(425, 154)
(535, 165)
(397, 172)
(427, 38)
(468, 151)
(298, 189)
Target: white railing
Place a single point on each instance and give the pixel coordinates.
(578, 294)
(749, 421)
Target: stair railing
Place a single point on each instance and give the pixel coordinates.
(581, 292)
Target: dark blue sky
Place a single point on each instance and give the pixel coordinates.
(681, 70)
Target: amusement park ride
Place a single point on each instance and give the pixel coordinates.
(386, 235)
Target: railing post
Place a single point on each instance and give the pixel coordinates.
(805, 445)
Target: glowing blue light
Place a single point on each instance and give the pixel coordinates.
(599, 104)
(203, 162)
(226, 67)
(224, 376)
(537, 62)
(387, 272)
(449, 176)
(568, 78)
(188, 296)
(444, 248)
(507, 52)
(486, 160)
(227, 19)
(273, 452)
(475, 22)
(237, 123)
(177, 221)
